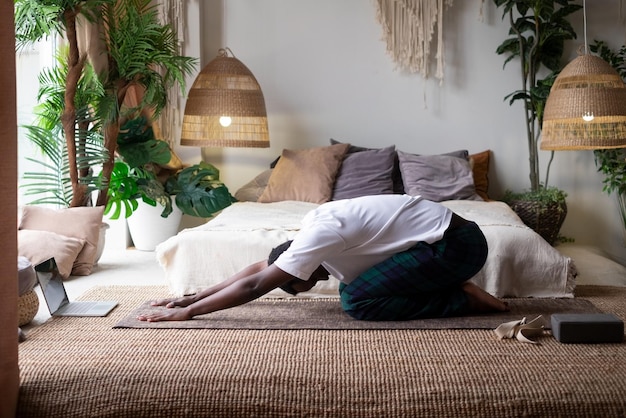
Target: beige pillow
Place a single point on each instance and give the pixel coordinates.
(306, 175)
(81, 222)
(38, 246)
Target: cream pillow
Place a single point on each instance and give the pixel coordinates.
(306, 175)
(80, 222)
(38, 246)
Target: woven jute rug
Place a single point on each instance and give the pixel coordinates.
(79, 367)
(298, 313)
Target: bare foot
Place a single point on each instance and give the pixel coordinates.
(481, 301)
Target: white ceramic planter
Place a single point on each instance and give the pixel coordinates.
(148, 229)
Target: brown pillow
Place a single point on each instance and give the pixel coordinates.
(480, 170)
(81, 222)
(306, 175)
(38, 246)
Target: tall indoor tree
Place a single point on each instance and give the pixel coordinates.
(142, 57)
(140, 54)
(38, 19)
(538, 31)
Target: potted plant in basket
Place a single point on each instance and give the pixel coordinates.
(538, 30)
(147, 174)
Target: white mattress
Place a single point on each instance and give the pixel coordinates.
(520, 263)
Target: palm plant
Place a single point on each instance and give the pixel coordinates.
(141, 53)
(36, 19)
(52, 184)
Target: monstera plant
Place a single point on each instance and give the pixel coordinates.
(149, 171)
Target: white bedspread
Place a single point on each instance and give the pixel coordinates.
(520, 263)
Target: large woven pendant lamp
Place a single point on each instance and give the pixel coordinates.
(225, 107)
(586, 107)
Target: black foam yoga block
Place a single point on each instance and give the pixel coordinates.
(587, 328)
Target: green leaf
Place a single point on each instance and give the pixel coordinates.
(138, 147)
(151, 151)
(123, 192)
(199, 191)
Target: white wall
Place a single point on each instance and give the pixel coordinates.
(325, 73)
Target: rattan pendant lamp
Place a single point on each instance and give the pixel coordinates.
(586, 108)
(225, 107)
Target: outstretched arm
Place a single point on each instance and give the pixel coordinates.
(188, 300)
(235, 291)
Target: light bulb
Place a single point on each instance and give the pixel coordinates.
(587, 116)
(225, 121)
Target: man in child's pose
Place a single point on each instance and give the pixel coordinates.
(397, 257)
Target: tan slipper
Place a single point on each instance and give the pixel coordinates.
(521, 330)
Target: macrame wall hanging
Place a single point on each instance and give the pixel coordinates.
(408, 29)
(173, 13)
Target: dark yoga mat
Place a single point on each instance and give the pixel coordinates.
(327, 314)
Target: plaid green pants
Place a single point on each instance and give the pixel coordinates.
(421, 282)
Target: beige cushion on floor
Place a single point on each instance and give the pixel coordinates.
(81, 222)
(38, 246)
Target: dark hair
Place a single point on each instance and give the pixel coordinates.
(274, 254)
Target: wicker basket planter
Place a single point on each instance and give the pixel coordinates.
(545, 218)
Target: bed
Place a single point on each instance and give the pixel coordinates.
(270, 207)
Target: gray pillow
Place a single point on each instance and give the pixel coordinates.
(437, 177)
(462, 153)
(398, 187)
(251, 191)
(365, 173)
